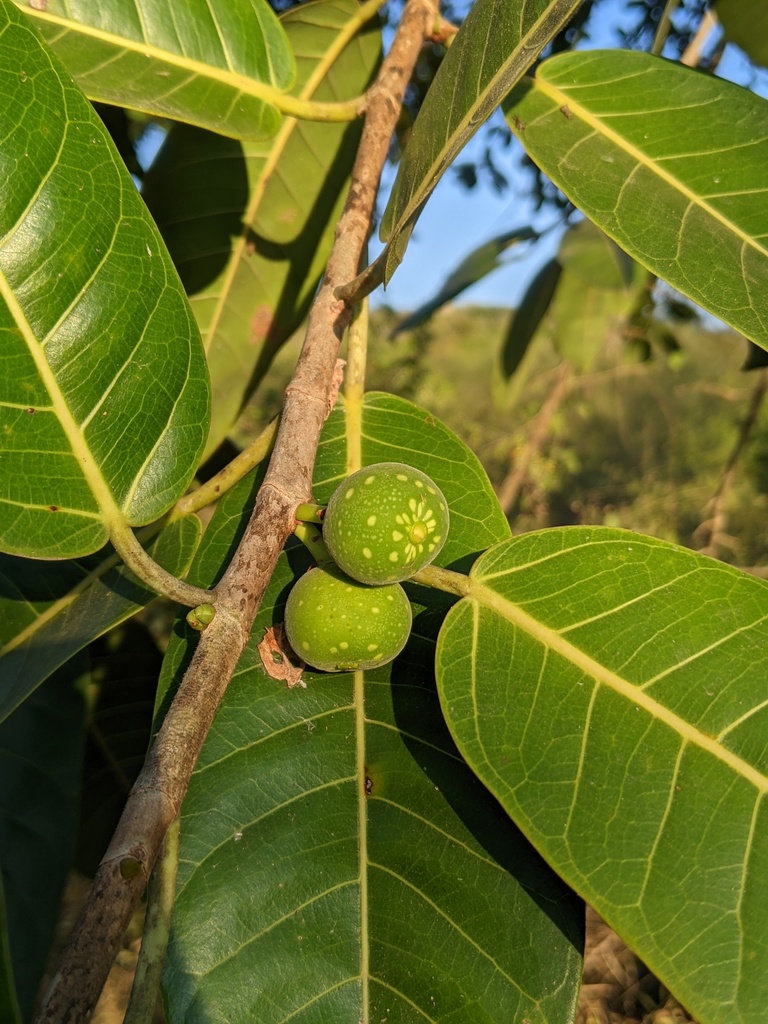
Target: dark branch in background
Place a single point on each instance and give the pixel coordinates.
(160, 788)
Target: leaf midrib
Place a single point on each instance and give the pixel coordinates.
(561, 98)
(87, 464)
(482, 596)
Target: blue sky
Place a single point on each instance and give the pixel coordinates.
(456, 220)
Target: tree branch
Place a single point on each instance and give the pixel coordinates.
(158, 792)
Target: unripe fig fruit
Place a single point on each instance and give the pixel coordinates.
(336, 624)
(385, 522)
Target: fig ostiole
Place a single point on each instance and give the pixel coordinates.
(337, 624)
(385, 522)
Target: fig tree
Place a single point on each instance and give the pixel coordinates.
(336, 624)
(385, 522)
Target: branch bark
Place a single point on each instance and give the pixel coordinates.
(157, 795)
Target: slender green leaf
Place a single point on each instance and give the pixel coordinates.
(209, 62)
(609, 689)
(478, 264)
(248, 227)
(103, 385)
(589, 253)
(497, 43)
(526, 319)
(51, 610)
(670, 162)
(746, 24)
(338, 860)
(594, 294)
(41, 749)
(584, 318)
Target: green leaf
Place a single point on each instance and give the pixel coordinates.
(609, 689)
(594, 294)
(584, 317)
(495, 46)
(338, 860)
(670, 162)
(746, 24)
(41, 749)
(247, 226)
(51, 610)
(589, 253)
(526, 319)
(103, 385)
(478, 264)
(214, 63)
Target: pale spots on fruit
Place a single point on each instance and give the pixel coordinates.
(396, 525)
(375, 610)
(344, 645)
(349, 493)
(372, 647)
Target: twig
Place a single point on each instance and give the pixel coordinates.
(158, 792)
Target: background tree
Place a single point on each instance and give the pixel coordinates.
(578, 711)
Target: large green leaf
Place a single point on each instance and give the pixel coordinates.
(609, 689)
(41, 749)
(497, 43)
(213, 63)
(670, 162)
(51, 610)
(103, 385)
(339, 862)
(249, 226)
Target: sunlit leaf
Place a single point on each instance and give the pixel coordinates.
(497, 43)
(670, 162)
(609, 689)
(103, 385)
(339, 862)
(209, 62)
(247, 225)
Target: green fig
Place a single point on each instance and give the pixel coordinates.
(336, 624)
(385, 522)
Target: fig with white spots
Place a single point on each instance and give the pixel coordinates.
(336, 624)
(385, 522)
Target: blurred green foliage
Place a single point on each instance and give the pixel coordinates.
(642, 445)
